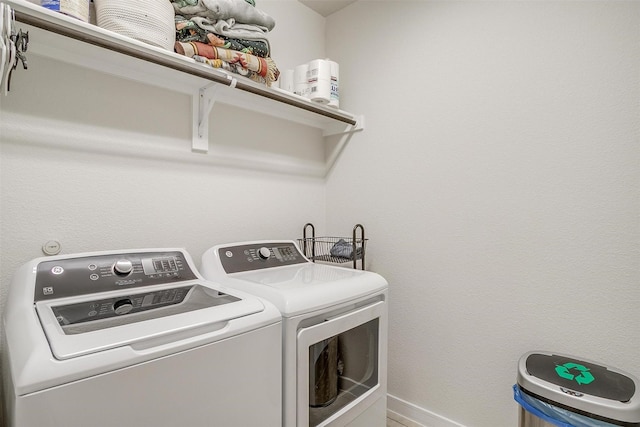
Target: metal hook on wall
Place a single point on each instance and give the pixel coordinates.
(13, 46)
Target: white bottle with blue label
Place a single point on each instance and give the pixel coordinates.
(76, 8)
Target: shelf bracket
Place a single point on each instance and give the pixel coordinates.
(202, 103)
(345, 128)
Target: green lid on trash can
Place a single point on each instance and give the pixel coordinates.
(580, 385)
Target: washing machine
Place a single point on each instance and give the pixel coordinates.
(334, 330)
(137, 338)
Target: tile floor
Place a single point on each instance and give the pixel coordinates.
(395, 420)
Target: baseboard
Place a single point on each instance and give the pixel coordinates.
(415, 413)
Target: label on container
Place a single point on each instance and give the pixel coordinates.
(335, 94)
(77, 8)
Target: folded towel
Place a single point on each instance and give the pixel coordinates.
(188, 30)
(263, 67)
(342, 249)
(239, 10)
(231, 28)
(233, 68)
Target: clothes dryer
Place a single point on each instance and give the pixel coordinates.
(334, 330)
(137, 338)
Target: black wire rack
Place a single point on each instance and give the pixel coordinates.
(334, 249)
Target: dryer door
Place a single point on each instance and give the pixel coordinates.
(340, 366)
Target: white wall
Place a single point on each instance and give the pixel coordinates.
(498, 180)
(98, 162)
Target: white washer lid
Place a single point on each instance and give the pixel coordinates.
(143, 330)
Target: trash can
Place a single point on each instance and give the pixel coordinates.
(557, 390)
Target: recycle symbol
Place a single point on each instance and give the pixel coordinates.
(583, 377)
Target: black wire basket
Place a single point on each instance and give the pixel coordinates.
(335, 249)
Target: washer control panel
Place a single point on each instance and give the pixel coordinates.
(257, 256)
(92, 274)
(113, 307)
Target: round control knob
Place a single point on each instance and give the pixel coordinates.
(122, 267)
(123, 306)
(264, 252)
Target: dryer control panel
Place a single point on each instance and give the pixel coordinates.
(260, 255)
(92, 274)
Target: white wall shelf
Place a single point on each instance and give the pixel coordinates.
(57, 36)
